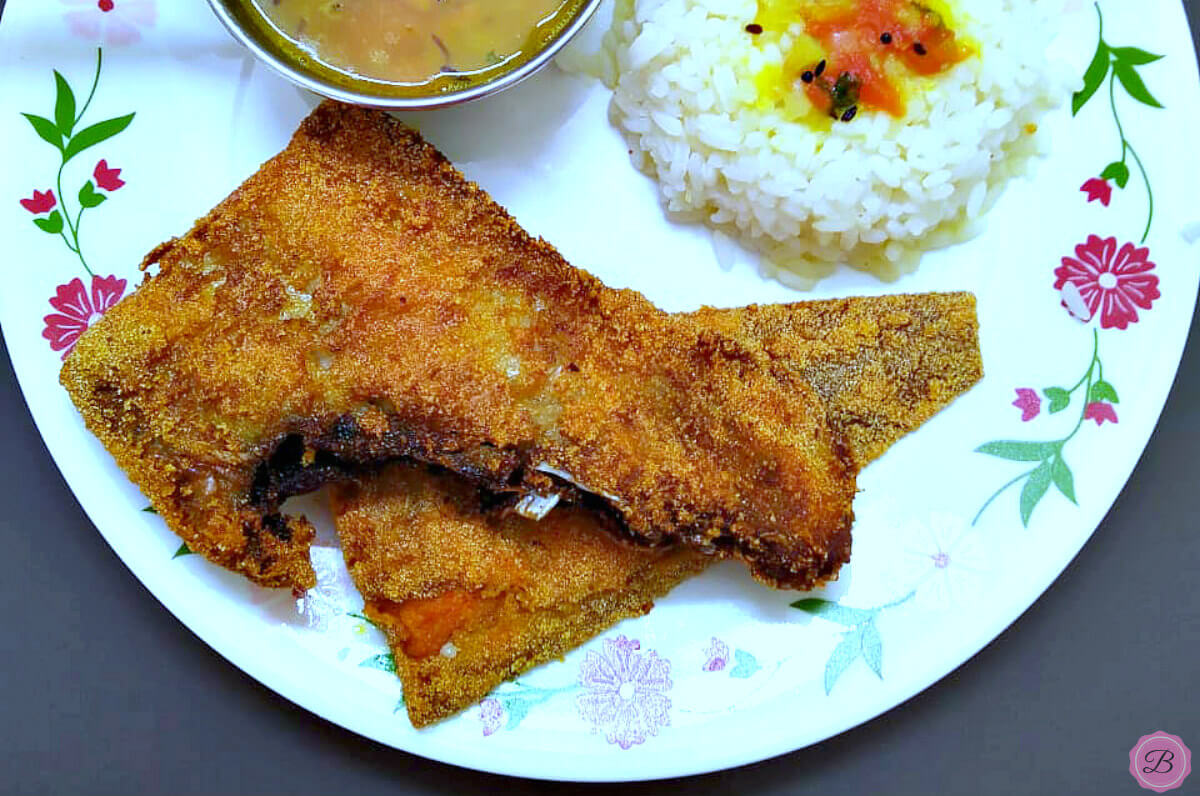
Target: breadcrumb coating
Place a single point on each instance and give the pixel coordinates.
(357, 301)
(507, 593)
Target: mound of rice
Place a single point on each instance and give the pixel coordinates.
(873, 193)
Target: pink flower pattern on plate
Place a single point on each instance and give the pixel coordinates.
(1112, 282)
(491, 715)
(1096, 188)
(718, 656)
(1100, 411)
(78, 309)
(106, 178)
(1029, 402)
(110, 22)
(625, 692)
(41, 202)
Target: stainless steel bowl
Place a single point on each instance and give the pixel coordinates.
(298, 66)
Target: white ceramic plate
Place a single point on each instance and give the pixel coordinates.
(731, 672)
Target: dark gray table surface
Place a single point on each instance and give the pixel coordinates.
(103, 691)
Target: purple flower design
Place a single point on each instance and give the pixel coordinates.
(718, 655)
(491, 715)
(625, 692)
(112, 22)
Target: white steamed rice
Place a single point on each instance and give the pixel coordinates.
(873, 193)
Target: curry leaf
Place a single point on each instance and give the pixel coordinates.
(1135, 56)
(832, 612)
(362, 617)
(46, 129)
(1060, 399)
(1019, 450)
(1117, 171)
(183, 550)
(64, 105)
(1061, 475)
(97, 133)
(1034, 490)
(1092, 78)
(1134, 85)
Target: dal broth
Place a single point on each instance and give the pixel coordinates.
(445, 44)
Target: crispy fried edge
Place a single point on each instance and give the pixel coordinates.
(887, 344)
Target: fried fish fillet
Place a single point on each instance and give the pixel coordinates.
(468, 598)
(357, 301)
(881, 365)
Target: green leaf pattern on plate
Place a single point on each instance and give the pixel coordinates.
(860, 638)
(61, 134)
(1119, 65)
(1052, 468)
(745, 665)
(64, 105)
(384, 662)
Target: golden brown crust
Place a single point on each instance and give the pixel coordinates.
(523, 593)
(882, 365)
(357, 300)
(540, 588)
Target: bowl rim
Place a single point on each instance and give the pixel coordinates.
(316, 85)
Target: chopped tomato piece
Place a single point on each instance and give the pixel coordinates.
(869, 47)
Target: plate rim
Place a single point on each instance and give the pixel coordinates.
(316, 703)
